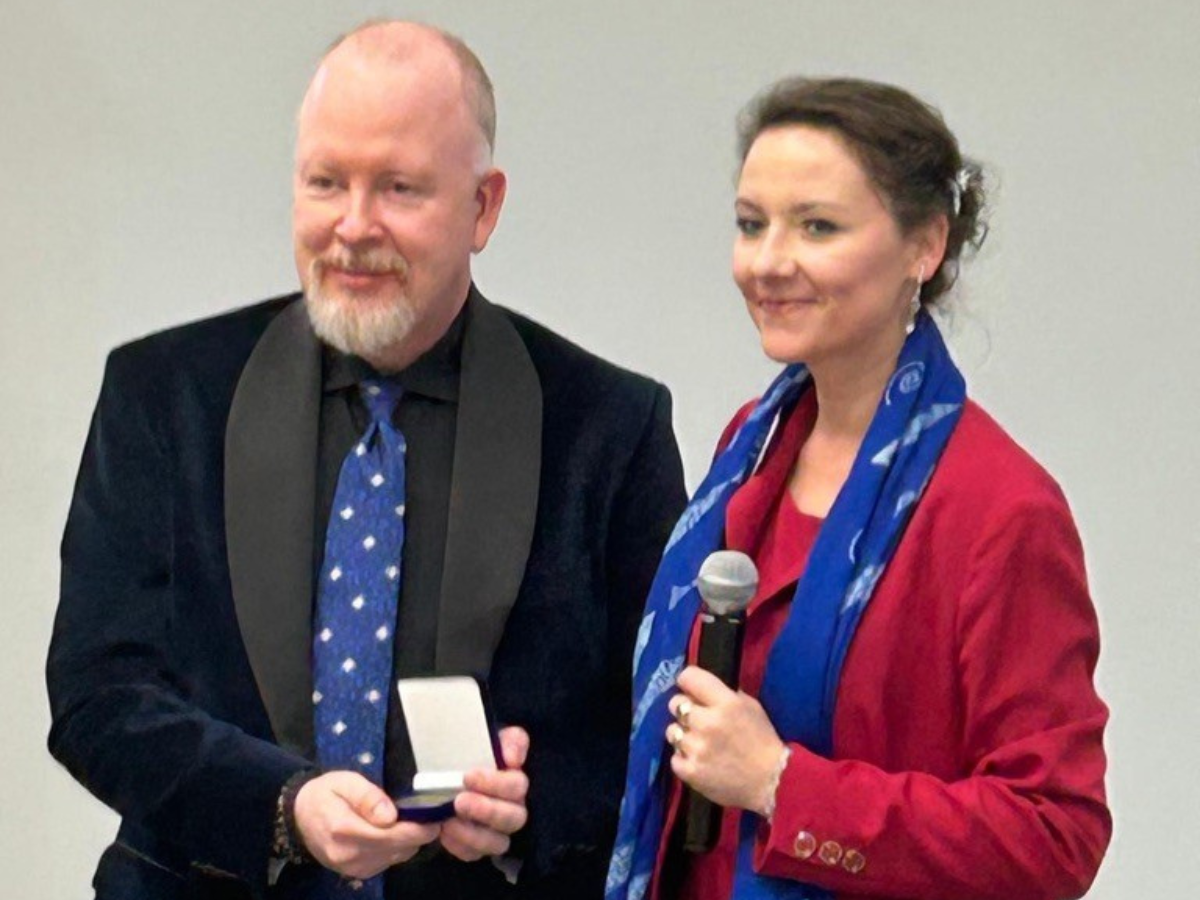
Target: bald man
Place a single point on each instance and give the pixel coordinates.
(208, 533)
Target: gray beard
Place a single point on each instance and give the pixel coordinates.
(366, 331)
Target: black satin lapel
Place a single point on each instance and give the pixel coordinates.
(494, 490)
(270, 485)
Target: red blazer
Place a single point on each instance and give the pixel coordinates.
(968, 761)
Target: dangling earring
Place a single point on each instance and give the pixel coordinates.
(914, 305)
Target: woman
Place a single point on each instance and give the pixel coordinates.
(916, 716)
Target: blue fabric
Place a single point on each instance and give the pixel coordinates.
(915, 417)
(356, 604)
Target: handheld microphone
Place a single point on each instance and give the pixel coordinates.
(727, 581)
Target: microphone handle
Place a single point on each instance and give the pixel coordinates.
(720, 652)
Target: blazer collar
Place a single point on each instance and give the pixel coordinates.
(494, 490)
(270, 486)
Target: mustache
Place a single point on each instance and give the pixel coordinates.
(374, 262)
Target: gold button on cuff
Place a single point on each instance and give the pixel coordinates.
(804, 846)
(854, 862)
(830, 853)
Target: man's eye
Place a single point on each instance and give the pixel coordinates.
(749, 227)
(320, 183)
(400, 188)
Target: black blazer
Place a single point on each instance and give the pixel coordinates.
(179, 670)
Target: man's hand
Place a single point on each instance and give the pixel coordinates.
(493, 805)
(351, 826)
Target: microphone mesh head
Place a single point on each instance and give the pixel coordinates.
(727, 581)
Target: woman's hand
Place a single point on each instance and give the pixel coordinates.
(725, 746)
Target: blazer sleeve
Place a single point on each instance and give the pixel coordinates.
(1028, 816)
(123, 722)
(649, 501)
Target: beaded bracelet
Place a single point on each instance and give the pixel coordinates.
(286, 844)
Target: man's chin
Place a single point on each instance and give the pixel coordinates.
(365, 327)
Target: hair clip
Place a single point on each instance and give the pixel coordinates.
(962, 180)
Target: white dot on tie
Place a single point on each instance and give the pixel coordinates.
(373, 696)
(358, 602)
(376, 479)
(325, 635)
(400, 510)
(347, 513)
(368, 542)
(373, 390)
(317, 697)
(393, 573)
(349, 666)
(339, 727)
(360, 450)
(365, 759)
(335, 573)
(382, 633)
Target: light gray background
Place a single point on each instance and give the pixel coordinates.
(144, 166)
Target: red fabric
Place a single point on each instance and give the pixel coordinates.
(763, 522)
(968, 761)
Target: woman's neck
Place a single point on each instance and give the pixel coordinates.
(847, 398)
(848, 394)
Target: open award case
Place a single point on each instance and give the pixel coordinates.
(452, 731)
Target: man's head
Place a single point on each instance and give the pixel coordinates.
(394, 189)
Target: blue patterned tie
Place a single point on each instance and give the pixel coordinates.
(356, 604)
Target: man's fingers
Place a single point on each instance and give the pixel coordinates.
(351, 826)
(366, 799)
(383, 813)
(499, 815)
(470, 841)
(408, 837)
(509, 785)
(514, 746)
(360, 850)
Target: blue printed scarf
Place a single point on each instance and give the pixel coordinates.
(916, 415)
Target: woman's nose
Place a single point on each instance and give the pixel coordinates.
(774, 258)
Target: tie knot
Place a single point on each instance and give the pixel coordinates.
(381, 396)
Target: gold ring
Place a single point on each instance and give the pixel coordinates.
(675, 737)
(682, 711)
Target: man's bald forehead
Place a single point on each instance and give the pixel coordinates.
(408, 43)
(389, 40)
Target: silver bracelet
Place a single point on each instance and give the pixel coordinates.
(768, 807)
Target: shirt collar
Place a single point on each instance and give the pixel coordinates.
(434, 374)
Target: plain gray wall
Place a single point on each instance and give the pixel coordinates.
(144, 181)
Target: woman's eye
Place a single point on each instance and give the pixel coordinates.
(749, 227)
(819, 227)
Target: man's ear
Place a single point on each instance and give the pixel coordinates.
(490, 197)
